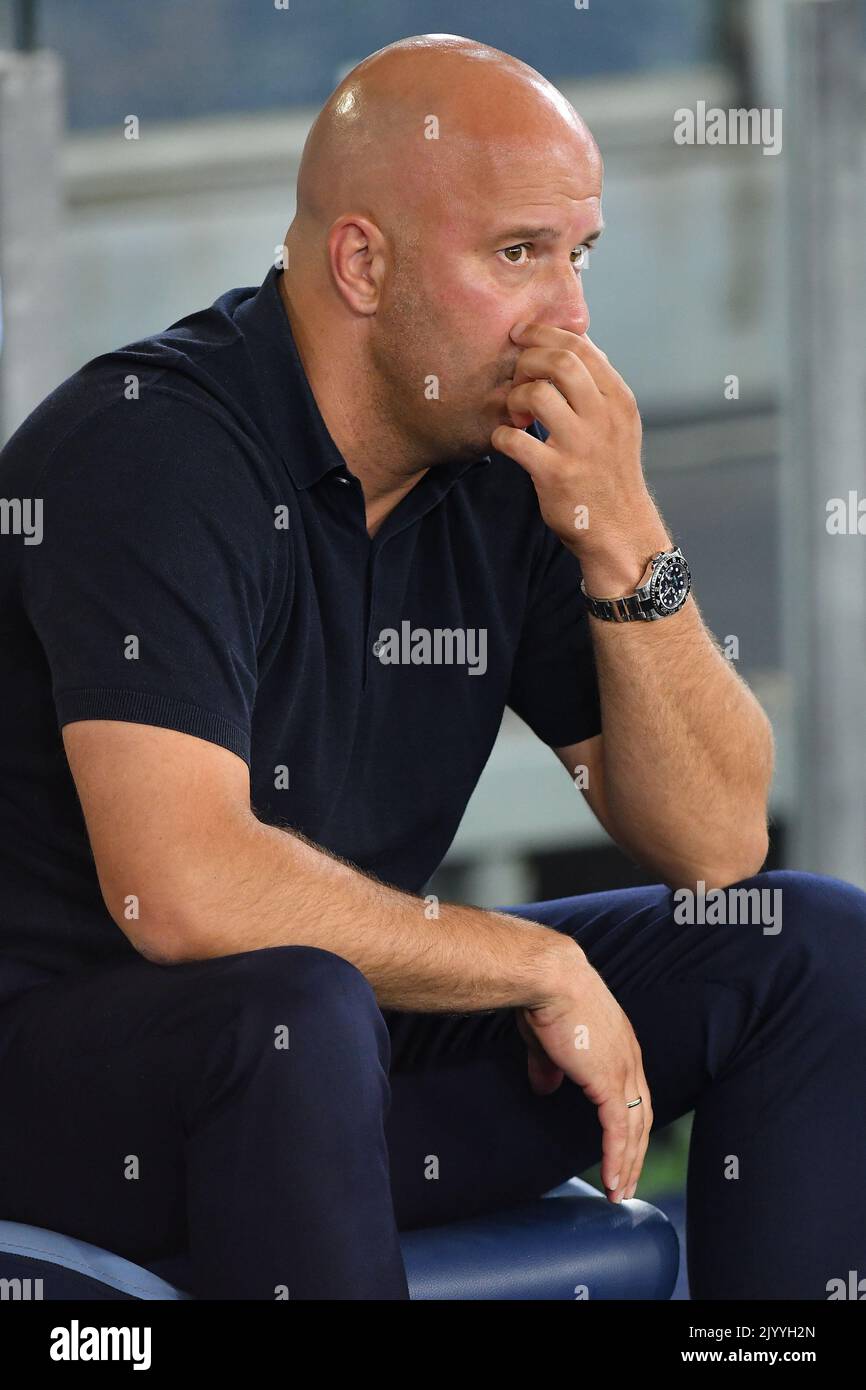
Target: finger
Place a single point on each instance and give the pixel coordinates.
(645, 1110)
(565, 369)
(634, 1118)
(616, 1160)
(544, 1075)
(640, 1117)
(633, 1125)
(543, 402)
(525, 449)
(631, 1190)
(631, 1169)
(606, 378)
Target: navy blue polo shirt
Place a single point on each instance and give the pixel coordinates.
(194, 555)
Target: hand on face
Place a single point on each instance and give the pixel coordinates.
(592, 456)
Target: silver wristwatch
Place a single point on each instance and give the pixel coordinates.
(663, 593)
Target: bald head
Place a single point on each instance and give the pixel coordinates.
(418, 123)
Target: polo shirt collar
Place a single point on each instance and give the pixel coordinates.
(299, 431)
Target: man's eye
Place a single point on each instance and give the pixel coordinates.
(581, 252)
(520, 247)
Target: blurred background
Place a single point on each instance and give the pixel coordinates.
(729, 292)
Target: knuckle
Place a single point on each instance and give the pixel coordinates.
(539, 392)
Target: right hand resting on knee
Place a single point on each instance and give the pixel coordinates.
(584, 1034)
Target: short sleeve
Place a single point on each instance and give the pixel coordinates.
(150, 586)
(554, 684)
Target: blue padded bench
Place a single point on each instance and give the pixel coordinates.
(541, 1249)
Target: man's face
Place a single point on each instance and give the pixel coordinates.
(512, 248)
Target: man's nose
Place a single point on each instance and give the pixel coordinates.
(568, 309)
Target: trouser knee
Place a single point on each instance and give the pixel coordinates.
(302, 1021)
(814, 936)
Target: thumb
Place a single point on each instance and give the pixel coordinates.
(544, 1075)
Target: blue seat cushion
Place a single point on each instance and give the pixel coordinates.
(48, 1265)
(576, 1246)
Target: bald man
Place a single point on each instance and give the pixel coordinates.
(299, 553)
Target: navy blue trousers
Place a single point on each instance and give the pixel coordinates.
(260, 1111)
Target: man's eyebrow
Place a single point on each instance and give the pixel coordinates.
(542, 234)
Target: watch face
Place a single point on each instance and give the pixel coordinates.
(670, 584)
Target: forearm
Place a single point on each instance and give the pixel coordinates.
(688, 748)
(262, 886)
(688, 752)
